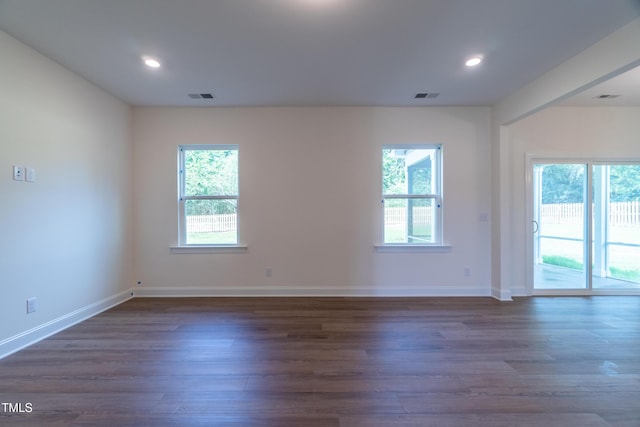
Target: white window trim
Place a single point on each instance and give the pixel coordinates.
(182, 247)
(437, 245)
(412, 247)
(209, 249)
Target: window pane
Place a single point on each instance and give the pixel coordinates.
(408, 171)
(624, 225)
(623, 266)
(616, 226)
(211, 222)
(211, 172)
(409, 221)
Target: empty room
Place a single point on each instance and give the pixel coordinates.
(320, 213)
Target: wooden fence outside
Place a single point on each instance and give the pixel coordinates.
(620, 213)
(398, 216)
(228, 222)
(211, 223)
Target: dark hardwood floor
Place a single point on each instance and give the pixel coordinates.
(311, 362)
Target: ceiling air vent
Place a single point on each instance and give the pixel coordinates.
(201, 95)
(427, 95)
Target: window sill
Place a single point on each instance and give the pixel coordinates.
(413, 248)
(205, 249)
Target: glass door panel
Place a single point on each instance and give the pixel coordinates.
(559, 226)
(616, 226)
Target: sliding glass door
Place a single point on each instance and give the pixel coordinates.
(559, 226)
(562, 225)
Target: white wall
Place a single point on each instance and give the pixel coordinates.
(310, 201)
(563, 132)
(65, 239)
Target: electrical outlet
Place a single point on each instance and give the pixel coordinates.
(268, 272)
(467, 271)
(18, 173)
(32, 305)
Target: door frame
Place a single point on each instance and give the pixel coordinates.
(530, 161)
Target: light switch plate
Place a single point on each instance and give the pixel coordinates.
(30, 174)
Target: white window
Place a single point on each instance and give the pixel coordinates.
(208, 195)
(412, 194)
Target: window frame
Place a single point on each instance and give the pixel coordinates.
(436, 197)
(183, 198)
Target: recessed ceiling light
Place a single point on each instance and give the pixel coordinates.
(474, 61)
(151, 62)
(315, 5)
(319, 2)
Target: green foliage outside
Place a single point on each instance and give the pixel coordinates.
(564, 183)
(212, 238)
(396, 176)
(211, 173)
(625, 274)
(625, 183)
(562, 261)
(393, 174)
(398, 179)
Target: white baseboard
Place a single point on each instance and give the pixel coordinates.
(520, 292)
(292, 291)
(501, 294)
(40, 332)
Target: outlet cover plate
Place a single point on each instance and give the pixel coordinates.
(32, 305)
(18, 173)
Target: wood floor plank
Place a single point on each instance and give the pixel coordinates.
(483, 420)
(189, 419)
(328, 362)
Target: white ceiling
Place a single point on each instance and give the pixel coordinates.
(625, 85)
(313, 52)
